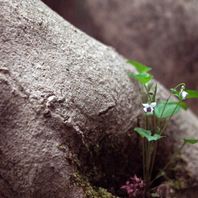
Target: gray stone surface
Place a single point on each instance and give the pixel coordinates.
(56, 83)
(58, 88)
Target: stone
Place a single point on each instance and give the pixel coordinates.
(90, 94)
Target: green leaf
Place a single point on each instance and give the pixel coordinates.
(142, 78)
(192, 93)
(147, 134)
(166, 109)
(175, 92)
(183, 105)
(190, 140)
(139, 66)
(155, 137)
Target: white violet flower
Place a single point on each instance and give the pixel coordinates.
(183, 94)
(149, 108)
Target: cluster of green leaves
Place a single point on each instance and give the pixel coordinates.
(164, 109)
(157, 114)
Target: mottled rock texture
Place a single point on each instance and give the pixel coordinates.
(57, 86)
(60, 90)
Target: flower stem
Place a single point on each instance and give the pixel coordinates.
(171, 160)
(165, 125)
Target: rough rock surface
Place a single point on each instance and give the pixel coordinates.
(59, 89)
(57, 86)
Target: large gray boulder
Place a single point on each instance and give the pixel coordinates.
(58, 87)
(61, 91)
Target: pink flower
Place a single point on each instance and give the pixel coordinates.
(134, 187)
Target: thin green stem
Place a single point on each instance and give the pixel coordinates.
(148, 95)
(174, 156)
(153, 157)
(147, 152)
(154, 145)
(165, 106)
(148, 161)
(143, 155)
(166, 124)
(171, 160)
(179, 85)
(155, 93)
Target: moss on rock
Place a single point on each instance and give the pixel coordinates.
(91, 191)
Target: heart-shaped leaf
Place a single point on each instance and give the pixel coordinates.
(190, 140)
(139, 66)
(192, 94)
(166, 109)
(142, 78)
(147, 134)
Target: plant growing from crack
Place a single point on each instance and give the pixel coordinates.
(157, 114)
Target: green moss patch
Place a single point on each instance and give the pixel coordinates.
(91, 191)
